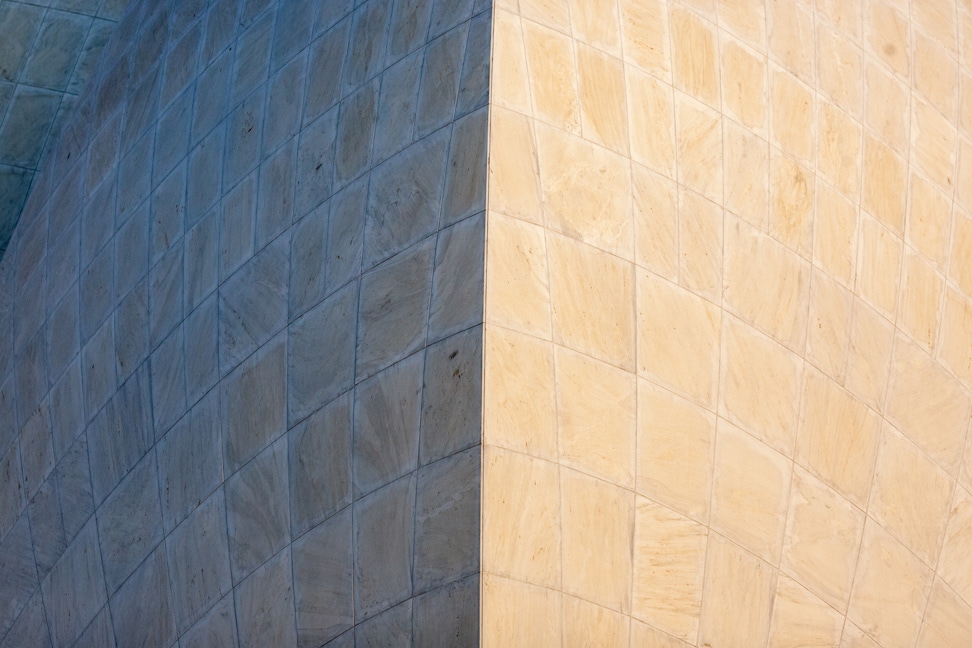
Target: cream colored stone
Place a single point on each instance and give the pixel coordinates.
(791, 209)
(965, 104)
(597, 527)
(828, 332)
(965, 29)
(869, 355)
(910, 496)
(823, 533)
(586, 191)
(744, 84)
(521, 517)
(749, 492)
(519, 406)
(937, 18)
(644, 30)
(518, 295)
(960, 267)
(553, 76)
(766, 285)
(928, 220)
(669, 562)
(948, 619)
(854, 637)
(596, 24)
(760, 385)
(928, 405)
(737, 598)
(791, 116)
(846, 16)
(678, 338)
(700, 245)
(597, 412)
(593, 301)
(841, 69)
(955, 565)
(747, 168)
(839, 149)
(509, 85)
(553, 13)
(591, 626)
(921, 297)
(887, 36)
(746, 19)
(886, 107)
(699, 143)
(838, 439)
(652, 122)
(890, 589)
(519, 614)
(514, 179)
(603, 114)
(694, 56)
(791, 37)
(835, 234)
(675, 451)
(644, 636)
(963, 189)
(884, 189)
(936, 75)
(933, 144)
(655, 222)
(955, 348)
(801, 619)
(879, 260)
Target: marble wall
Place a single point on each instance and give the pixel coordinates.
(728, 345)
(240, 334)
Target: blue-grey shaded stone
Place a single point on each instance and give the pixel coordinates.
(286, 88)
(132, 330)
(446, 14)
(355, 133)
(387, 414)
(253, 404)
(99, 634)
(217, 628)
(31, 308)
(166, 287)
(252, 58)
(120, 434)
(31, 370)
(74, 488)
(292, 31)
(383, 535)
(63, 341)
(97, 295)
(14, 183)
(136, 621)
(202, 257)
(21, 23)
(94, 43)
(74, 591)
(29, 117)
(325, 68)
(37, 449)
(329, 13)
(344, 641)
(103, 152)
(392, 627)
(409, 27)
(202, 345)
(440, 79)
(465, 191)
(47, 530)
(308, 256)
(12, 497)
(67, 408)
(397, 106)
(198, 554)
(265, 605)
(151, 42)
(320, 364)
(253, 303)
(323, 583)
(131, 250)
(406, 195)
(19, 572)
(30, 628)
(221, 25)
(257, 510)
(168, 371)
(190, 463)
(448, 616)
(315, 163)
(168, 213)
(180, 63)
(237, 216)
(447, 520)
(457, 283)
(345, 234)
(64, 255)
(452, 399)
(394, 309)
(142, 110)
(244, 128)
(130, 522)
(205, 169)
(367, 49)
(172, 136)
(474, 82)
(276, 203)
(320, 464)
(215, 79)
(98, 219)
(98, 369)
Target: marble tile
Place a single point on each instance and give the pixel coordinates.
(448, 615)
(323, 564)
(75, 589)
(457, 280)
(694, 56)
(555, 95)
(391, 626)
(800, 617)
(953, 565)
(216, 629)
(452, 406)
(516, 613)
(438, 90)
(265, 605)
(946, 620)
